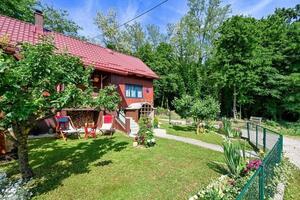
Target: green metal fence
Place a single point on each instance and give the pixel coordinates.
(271, 143)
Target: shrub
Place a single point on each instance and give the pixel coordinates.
(235, 162)
(145, 132)
(13, 190)
(199, 109)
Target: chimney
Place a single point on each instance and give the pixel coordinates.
(39, 20)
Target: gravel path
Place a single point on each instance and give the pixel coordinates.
(163, 134)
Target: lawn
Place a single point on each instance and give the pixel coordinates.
(110, 168)
(292, 190)
(190, 132)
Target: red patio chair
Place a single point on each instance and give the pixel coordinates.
(90, 130)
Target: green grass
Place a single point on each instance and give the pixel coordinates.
(284, 128)
(292, 190)
(110, 168)
(190, 132)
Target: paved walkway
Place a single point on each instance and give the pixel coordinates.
(291, 146)
(163, 134)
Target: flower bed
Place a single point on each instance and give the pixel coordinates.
(227, 187)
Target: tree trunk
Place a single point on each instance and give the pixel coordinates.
(24, 166)
(240, 115)
(162, 100)
(234, 110)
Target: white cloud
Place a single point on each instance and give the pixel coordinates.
(131, 11)
(256, 8)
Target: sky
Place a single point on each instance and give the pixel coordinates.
(83, 12)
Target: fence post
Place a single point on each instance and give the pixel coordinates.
(261, 183)
(256, 130)
(281, 147)
(264, 139)
(248, 130)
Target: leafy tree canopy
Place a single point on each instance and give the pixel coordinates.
(28, 90)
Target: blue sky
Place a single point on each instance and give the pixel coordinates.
(83, 12)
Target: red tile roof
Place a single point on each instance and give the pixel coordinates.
(99, 57)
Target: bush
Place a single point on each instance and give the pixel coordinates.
(145, 134)
(235, 162)
(13, 190)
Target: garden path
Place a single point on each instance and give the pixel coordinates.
(291, 146)
(163, 134)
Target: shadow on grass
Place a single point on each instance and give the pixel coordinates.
(53, 160)
(217, 167)
(103, 163)
(183, 128)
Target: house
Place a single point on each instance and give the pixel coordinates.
(134, 79)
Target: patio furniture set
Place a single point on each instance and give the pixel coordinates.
(65, 127)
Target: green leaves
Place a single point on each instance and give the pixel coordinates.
(199, 109)
(256, 57)
(233, 157)
(205, 109)
(24, 83)
(183, 106)
(107, 99)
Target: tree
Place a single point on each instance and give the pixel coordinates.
(199, 109)
(154, 37)
(109, 27)
(57, 20)
(203, 110)
(107, 99)
(241, 58)
(19, 9)
(183, 106)
(192, 39)
(258, 62)
(136, 36)
(28, 92)
(162, 60)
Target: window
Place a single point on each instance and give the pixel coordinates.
(133, 91)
